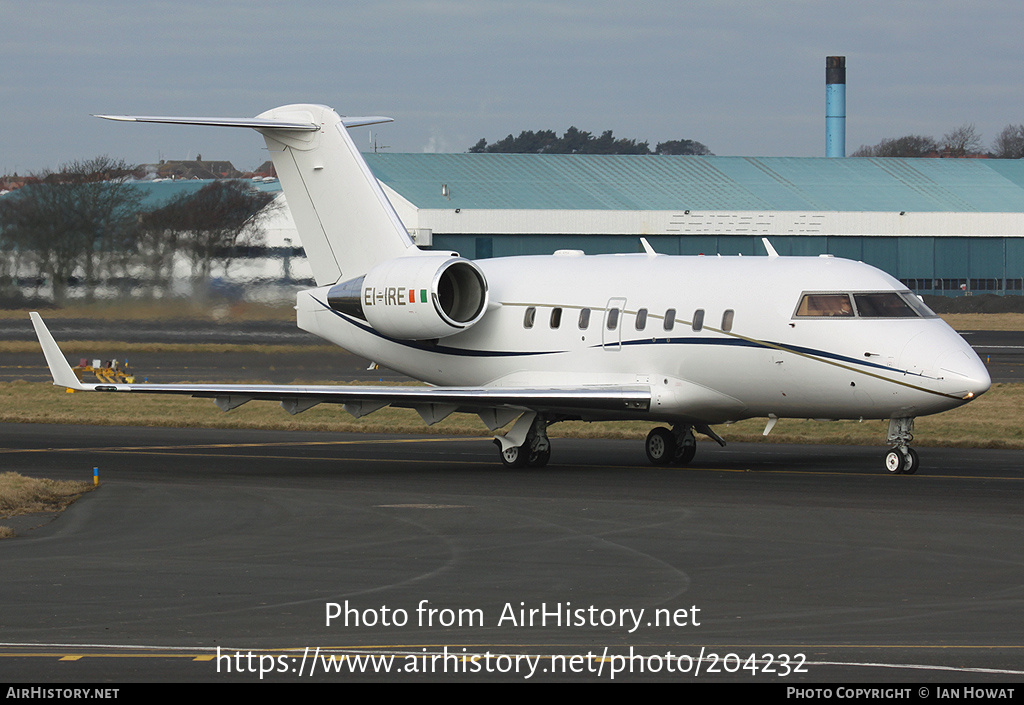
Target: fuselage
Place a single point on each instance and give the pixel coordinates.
(716, 338)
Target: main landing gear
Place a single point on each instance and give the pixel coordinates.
(677, 446)
(534, 452)
(519, 457)
(901, 458)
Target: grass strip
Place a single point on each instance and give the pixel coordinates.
(160, 309)
(105, 346)
(29, 495)
(984, 321)
(991, 421)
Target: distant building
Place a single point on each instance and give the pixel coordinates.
(940, 225)
(193, 169)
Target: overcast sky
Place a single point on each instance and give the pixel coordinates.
(744, 78)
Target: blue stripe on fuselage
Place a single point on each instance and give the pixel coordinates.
(427, 347)
(768, 345)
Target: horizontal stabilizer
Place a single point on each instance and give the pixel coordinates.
(255, 123)
(342, 216)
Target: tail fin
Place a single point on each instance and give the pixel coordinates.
(345, 222)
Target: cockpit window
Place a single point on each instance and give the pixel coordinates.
(825, 306)
(887, 305)
(868, 304)
(918, 305)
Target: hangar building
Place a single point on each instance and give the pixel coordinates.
(942, 226)
(939, 225)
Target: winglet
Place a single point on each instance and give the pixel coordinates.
(63, 375)
(768, 246)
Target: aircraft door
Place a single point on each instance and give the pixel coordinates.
(611, 330)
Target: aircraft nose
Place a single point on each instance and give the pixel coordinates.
(940, 353)
(963, 371)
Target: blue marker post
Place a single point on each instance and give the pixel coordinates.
(835, 106)
(96, 476)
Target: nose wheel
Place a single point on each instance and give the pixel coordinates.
(902, 461)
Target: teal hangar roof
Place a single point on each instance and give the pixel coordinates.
(647, 182)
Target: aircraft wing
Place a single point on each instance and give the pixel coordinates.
(497, 406)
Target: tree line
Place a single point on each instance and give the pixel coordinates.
(86, 223)
(576, 141)
(963, 141)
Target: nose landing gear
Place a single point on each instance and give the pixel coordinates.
(901, 458)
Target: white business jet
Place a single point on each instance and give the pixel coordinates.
(688, 342)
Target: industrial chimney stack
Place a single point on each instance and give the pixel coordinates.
(835, 106)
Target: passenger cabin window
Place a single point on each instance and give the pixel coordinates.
(556, 317)
(825, 306)
(698, 319)
(584, 318)
(613, 318)
(641, 319)
(727, 319)
(670, 319)
(529, 317)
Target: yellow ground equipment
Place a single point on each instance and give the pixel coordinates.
(110, 371)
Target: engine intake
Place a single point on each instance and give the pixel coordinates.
(415, 298)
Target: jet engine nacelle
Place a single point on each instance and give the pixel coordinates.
(415, 298)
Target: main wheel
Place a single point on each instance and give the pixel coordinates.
(660, 446)
(514, 457)
(539, 459)
(684, 454)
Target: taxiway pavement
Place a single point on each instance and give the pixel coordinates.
(243, 540)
